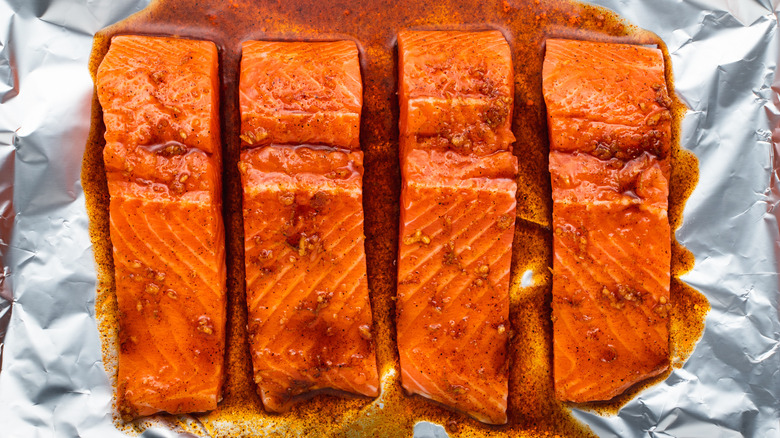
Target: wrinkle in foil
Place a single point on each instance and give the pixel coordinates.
(724, 56)
(6, 224)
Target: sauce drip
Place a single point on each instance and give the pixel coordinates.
(373, 24)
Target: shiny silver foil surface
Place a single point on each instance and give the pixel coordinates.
(724, 54)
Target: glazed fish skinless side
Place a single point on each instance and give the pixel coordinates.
(457, 219)
(162, 159)
(610, 140)
(310, 323)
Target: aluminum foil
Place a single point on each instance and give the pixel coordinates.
(724, 54)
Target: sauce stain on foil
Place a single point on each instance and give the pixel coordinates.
(373, 24)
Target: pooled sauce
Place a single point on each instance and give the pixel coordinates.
(373, 25)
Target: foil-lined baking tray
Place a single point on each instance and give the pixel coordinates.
(724, 56)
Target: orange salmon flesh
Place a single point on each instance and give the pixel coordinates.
(162, 157)
(610, 140)
(457, 219)
(300, 93)
(310, 324)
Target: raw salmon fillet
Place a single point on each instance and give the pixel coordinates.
(457, 219)
(456, 91)
(162, 157)
(300, 93)
(608, 112)
(307, 290)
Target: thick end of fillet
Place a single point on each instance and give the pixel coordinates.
(310, 322)
(156, 91)
(608, 100)
(456, 91)
(453, 282)
(300, 93)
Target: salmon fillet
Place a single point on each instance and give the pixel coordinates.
(300, 93)
(457, 219)
(307, 289)
(610, 142)
(162, 159)
(456, 91)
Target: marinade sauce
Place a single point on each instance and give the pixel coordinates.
(373, 25)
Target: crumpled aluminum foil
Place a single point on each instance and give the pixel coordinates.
(724, 54)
